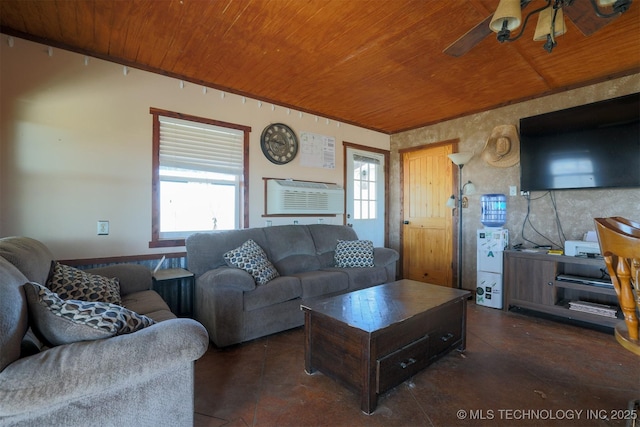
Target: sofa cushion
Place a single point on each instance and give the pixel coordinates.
(30, 256)
(61, 322)
(206, 250)
(145, 302)
(284, 241)
(161, 315)
(354, 254)
(297, 264)
(319, 283)
(326, 236)
(280, 289)
(13, 312)
(71, 283)
(360, 278)
(251, 258)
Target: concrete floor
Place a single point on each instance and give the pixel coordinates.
(517, 370)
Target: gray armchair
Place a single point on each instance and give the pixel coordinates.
(143, 378)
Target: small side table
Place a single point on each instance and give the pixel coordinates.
(169, 282)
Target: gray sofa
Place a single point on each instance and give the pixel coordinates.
(233, 309)
(142, 378)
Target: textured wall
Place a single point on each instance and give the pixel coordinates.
(576, 208)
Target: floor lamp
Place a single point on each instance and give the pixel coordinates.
(460, 159)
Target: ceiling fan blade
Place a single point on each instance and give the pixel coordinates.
(471, 38)
(474, 36)
(582, 14)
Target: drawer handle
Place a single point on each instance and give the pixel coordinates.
(409, 362)
(447, 337)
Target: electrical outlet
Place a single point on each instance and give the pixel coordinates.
(513, 190)
(103, 228)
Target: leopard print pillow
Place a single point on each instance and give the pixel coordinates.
(59, 322)
(71, 283)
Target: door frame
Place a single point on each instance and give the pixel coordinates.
(454, 185)
(386, 154)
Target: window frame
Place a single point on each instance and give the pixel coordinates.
(358, 199)
(156, 240)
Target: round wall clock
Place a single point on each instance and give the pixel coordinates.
(279, 143)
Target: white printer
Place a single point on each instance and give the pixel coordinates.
(588, 246)
(580, 247)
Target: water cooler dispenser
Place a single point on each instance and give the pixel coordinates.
(492, 241)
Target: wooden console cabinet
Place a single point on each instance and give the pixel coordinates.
(530, 282)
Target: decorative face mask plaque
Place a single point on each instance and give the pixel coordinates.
(279, 143)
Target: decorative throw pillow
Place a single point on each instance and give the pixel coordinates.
(251, 258)
(354, 253)
(71, 283)
(61, 322)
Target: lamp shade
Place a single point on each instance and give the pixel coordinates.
(508, 11)
(451, 202)
(546, 21)
(461, 158)
(468, 188)
(606, 2)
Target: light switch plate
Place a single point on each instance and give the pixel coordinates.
(513, 190)
(103, 228)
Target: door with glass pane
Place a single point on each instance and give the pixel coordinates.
(365, 194)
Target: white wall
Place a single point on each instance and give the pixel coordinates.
(76, 148)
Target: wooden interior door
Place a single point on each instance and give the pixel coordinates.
(427, 231)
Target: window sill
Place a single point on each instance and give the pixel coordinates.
(165, 243)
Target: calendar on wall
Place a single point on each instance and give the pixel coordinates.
(318, 151)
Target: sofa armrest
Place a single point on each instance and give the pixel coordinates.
(132, 277)
(228, 277)
(74, 371)
(220, 303)
(385, 256)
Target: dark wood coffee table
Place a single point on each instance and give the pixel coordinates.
(373, 339)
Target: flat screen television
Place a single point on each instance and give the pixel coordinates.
(590, 146)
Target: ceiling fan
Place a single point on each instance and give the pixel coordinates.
(581, 12)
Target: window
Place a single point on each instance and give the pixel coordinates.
(365, 175)
(200, 176)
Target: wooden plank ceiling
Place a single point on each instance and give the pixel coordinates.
(373, 63)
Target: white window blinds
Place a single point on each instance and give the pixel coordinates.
(200, 146)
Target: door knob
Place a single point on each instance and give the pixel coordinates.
(405, 222)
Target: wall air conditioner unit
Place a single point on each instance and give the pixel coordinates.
(288, 197)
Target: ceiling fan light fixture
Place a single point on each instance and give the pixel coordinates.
(550, 22)
(507, 16)
(619, 7)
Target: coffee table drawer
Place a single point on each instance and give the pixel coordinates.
(447, 329)
(396, 367)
